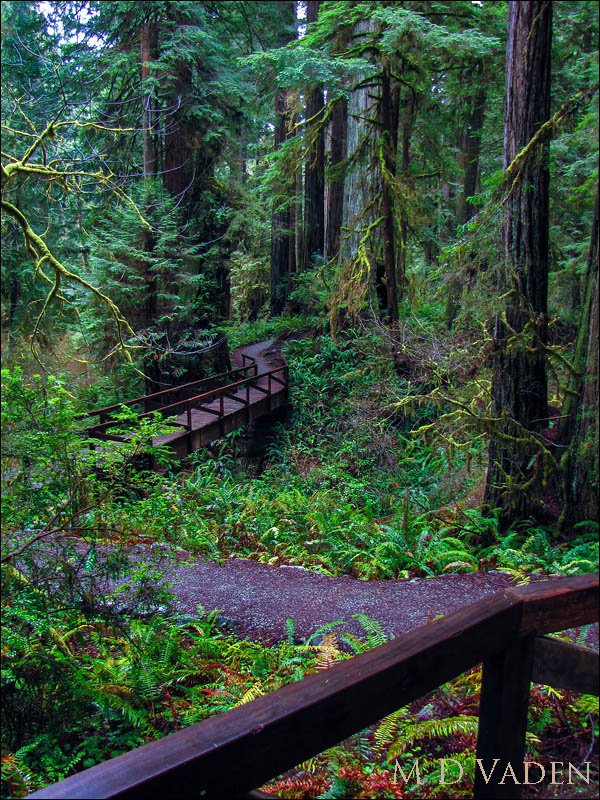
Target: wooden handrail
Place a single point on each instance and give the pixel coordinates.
(197, 399)
(232, 753)
(172, 389)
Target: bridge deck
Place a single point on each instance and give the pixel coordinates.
(251, 390)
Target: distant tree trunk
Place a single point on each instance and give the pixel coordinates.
(470, 149)
(335, 189)
(148, 53)
(579, 428)
(468, 159)
(314, 173)
(281, 220)
(281, 229)
(407, 125)
(179, 173)
(519, 387)
(389, 145)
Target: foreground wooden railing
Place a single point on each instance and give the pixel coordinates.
(230, 754)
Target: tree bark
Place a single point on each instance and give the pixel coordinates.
(470, 150)
(408, 122)
(389, 141)
(335, 188)
(360, 247)
(282, 220)
(314, 172)
(148, 53)
(579, 428)
(519, 385)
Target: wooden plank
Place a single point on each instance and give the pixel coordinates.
(233, 753)
(557, 604)
(503, 709)
(565, 665)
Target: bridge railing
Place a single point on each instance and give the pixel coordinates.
(230, 754)
(212, 401)
(161, 398)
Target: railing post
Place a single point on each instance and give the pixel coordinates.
(506, 680)
(222, 415)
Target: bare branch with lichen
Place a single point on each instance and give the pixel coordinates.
(47, 266)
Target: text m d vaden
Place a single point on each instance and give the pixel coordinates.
(532, 772)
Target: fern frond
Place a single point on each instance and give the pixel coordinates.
(328, 652)
(253, 693)
(432, 729)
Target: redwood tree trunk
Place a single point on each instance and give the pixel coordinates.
(282, 219)
(579, 429)
(335, 193)
(389, 128)
(148, 52)
(470, 150)
(519, 387)
(314, 174)
(281, 223)
(408, 122)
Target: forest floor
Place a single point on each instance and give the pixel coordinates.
(256, 599)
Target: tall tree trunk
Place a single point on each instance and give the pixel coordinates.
(470, 150)
(148, 53)
(468, 159)
(579, 426)
(389, 141)
(519, 386)
(281, 219)
(314, 173)
(360, 247)
(335, 188)
(408, 121)
(179, 170)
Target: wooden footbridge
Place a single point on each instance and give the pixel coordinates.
(207, 409)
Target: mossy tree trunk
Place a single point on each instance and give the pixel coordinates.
(579, 428)
(388, 117)
(282, 219)
(313, 240)
(519, 385)
(335, 184)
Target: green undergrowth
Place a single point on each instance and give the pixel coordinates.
(80, 686)
(246, 333)
(345, 486)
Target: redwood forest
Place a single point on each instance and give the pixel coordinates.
(299, 398)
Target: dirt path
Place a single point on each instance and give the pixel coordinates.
(267, 354)
(256, 599)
